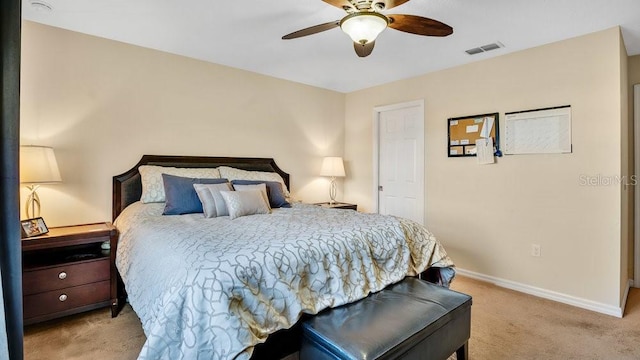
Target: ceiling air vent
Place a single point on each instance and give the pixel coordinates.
(474, 51)
(484, 48)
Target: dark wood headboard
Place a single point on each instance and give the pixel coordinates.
(127, 187)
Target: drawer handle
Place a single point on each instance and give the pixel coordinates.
(62, 275)
(62, 297)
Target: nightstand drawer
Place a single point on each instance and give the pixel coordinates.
(64, 276)
(65, 299)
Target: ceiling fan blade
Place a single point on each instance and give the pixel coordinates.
(342, 4)
(419, 25)
(387, 4)
(364, 50)
(312, 30)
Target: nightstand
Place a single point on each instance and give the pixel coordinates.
(338, 205)
(66, 271)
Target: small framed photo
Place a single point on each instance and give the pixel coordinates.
(33, 227)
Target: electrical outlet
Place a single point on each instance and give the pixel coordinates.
(535, 250)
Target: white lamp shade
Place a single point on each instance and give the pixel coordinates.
(38, 165)
(332, 166)
(364, 28)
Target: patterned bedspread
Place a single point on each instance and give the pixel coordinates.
(213, 288)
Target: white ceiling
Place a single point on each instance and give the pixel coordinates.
(247, 34)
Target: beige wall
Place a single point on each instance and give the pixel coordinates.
(488, 216)
(103, 104)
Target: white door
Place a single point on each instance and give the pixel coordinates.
(400, 160)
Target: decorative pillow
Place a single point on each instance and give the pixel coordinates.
(243, 203)
(181, 197)
(274, 191)
(152, 184)
(261, 187)
(213, 204)
(238, 174)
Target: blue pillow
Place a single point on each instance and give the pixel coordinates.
(274, 192)
(181, 197)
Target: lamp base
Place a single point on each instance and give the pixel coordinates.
(333, 189)
(32, 206)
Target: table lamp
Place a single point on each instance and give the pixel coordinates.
(38, 166)
(334, 167)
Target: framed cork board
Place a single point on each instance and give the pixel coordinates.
(464, 131)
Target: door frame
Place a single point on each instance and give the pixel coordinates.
(376, 151)
(636, 171)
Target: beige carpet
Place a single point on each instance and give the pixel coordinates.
(505, 325)
(92, 335)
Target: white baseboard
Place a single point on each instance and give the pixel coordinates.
(548, 294)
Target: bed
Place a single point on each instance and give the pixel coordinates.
(223, 288)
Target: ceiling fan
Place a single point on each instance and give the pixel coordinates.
(364, 22)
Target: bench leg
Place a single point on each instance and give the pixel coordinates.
(463, 352)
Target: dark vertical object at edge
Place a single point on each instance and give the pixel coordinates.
(10, 247)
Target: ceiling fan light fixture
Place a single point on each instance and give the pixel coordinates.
(364, 27)
(42, 6)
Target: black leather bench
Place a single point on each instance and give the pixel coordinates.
(412, 319)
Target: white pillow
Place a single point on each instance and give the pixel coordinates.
(153, 187)
(213, 204)
(243, 203)
(260, 187)
(238, 174)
